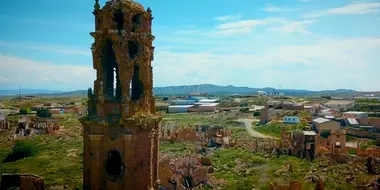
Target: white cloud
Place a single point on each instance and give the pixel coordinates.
(271, 8)
(328, 64)
(33, 74)
(280, 25)
(229, 17)
(288, 27)
(350, 9)
(46, 48)
(242, 26)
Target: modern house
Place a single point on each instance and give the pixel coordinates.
(195, 98)
(206, 101)
(352, 122)
(361, 117)
(204, 107)
(179, 108)
(193, 104)
(340, 105)
(355, 114)
(291, 119)
(183, 102)
(322, 124)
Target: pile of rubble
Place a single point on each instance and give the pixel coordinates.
(184, 173)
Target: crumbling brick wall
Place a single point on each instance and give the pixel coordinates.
(174, 171)
(22, 181)
(368, 152)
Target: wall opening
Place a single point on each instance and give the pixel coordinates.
(133, 49)
(118, 17)
(111, 83)
(188, 182)
(137, 86)
(136, 19)
(114, 163)
(325, 134)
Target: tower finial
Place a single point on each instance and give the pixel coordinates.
(97, 6)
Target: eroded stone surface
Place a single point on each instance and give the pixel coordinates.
(121, 129)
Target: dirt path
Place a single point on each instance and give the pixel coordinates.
(248, 127)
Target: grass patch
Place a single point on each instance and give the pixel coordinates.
(22, 149)
(272, 129)
(241, 169)
(275, 129)
(177, 148)
(59, 160)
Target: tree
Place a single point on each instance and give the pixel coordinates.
(24, 111)
(43, 113)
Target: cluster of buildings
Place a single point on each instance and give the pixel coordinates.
(263, 93)
(64, 108)
(193, 103)
(28, 125)
(332, 115)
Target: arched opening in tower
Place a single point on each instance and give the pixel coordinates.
(111, 83)
(133, 49)
(118, 17)
(136, 19)
(114, 163)
(137, 87)
(136, 22)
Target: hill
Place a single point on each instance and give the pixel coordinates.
(27, 92)
(226, 90)
(185, 89)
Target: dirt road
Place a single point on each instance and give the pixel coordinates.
(248, 127)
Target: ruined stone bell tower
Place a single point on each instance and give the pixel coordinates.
(120, 132)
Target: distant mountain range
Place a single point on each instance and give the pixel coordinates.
(185, 89)
(27, 92)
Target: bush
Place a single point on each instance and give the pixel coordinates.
(24, 111)
(22, 149)
(43, 113)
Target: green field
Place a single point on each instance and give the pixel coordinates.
(59, 159)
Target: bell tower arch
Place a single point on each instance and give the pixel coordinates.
(121, 129)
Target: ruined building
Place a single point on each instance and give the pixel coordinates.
(4, 122)
(121, 129)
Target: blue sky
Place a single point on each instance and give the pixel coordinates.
(300, 44)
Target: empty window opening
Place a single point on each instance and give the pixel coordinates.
(136, 20)
(116, 83)
(137, 86)
(118, 17)
(325, 134)
(111, 83)
(114, 164)
(188, 182)
(133, 49)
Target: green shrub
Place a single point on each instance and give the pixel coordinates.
(22, 149)
(44, 113)
(24, 111)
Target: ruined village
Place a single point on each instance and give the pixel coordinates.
(122, 136)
